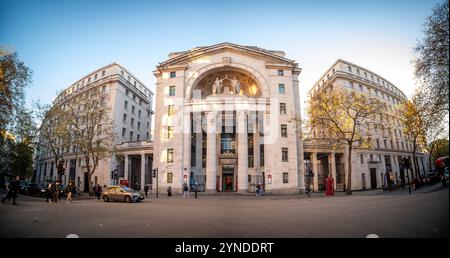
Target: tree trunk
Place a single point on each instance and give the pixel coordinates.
(88, 166)
(349, 175)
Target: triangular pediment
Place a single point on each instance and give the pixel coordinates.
(182, 58)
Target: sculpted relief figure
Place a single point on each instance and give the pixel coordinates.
(216, 86)
(236, 85)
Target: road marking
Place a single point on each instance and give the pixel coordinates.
(72, 236)
(372, 236)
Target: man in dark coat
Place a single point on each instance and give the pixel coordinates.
(12, 191)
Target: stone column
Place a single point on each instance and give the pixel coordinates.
(242, 151)
(198, 144)
(211, 155)
(256, 154)
(125, 167)
(315, 171)
(142, 171)
(186, 151)
(332, 161)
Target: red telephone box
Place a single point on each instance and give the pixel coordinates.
(330, 186)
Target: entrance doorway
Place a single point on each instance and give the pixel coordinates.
(227, 178)
(373, 178)
(86, 182)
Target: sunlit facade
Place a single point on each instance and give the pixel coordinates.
(389, 144)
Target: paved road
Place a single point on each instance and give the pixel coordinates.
(425, 213)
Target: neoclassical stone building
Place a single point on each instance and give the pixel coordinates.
(131, 112)
(222, 120)
(390, 145)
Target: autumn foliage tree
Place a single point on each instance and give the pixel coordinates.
(346, 116)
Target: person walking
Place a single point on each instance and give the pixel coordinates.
(12, 191)
(49, 192)
(308, 191)
(146, 190)
(55, 191)
(258, 190)
(69, 192)
(185, 190)
(169, 191)
(98, 191)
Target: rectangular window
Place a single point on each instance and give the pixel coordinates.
(385, 144)
(139, 125)
(127, 92)
(132, 122)
(121, 72)
(95, 77)
(169, 155)
(139, 113)
(284, 154)
(131, 136)
(172, 91)
(280, 72)
(129, 78)
(283, 108)
(351, 84)
(124, 130)
(357, 71)
(104, 89)
(371, 157)
(169, 178)
(171, 111)
(281, 89)
(103, 73)
(148, 124)
(361, 156)
(147, 136)
(349, 68)
(361, 88)
(173, 74)
(125, 106)
(284, 131)
(378, 143)
(169, 132)
(132, 109)
(334, 70)
(285, 178)
(124, 118)
(138, 137)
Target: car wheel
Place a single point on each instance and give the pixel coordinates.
(105, 198)
(127, 198)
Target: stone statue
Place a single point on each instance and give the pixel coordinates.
(216, 86)
(236, 85)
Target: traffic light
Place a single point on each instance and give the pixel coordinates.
(155, 172)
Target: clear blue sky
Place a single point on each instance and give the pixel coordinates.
(63, 40)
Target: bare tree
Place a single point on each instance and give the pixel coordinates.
(346, 117)
(91, 127)
(432, 58)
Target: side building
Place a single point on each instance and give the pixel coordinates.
(131, 112)
(390, 145)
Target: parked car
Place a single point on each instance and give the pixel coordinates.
(23, 187)
(121, 193)
(37, 190)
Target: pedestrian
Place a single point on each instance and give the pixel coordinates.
(55, 190)
(308, 190)
(146, 190)
(98, 191)
(12, 191)
(185, 190)
(258, 189)
(169, 191)
(69, 192)
(49, 192)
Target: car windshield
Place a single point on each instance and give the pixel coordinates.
(128, 189)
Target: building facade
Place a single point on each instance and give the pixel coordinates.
(131, 111)
(222, 120)
(390, 145)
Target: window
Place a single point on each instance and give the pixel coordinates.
(334, 70)
(127, 92)
(103, 73)
(138, 137)
(284, 131)
(124, 118)
(283, 108)
(361, 156)
(129, 78)
(357, 71)
(131, 136)
(173, 74)
(134, 83)
(134, 97)
(125, 106)
(95, 77)
(371, 157)
(169, 178)
(124, 130)
(148, 113)
(351, 84)
(385, 144)
(285, 178)
(365, 74)
(121, 72)
(171, 111)
(139, 126)
(104, 89)
(169, 132)
(281, 89)
(280, 72)
(140, 101)
(284, 154)
(349, 68)
(132, 109)
(172, 91)
(378, 143)
(139, 113)
(132, 122)
(89, 79)
(147, 136)
(169, 155)
(148, 124)
(361, 87)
